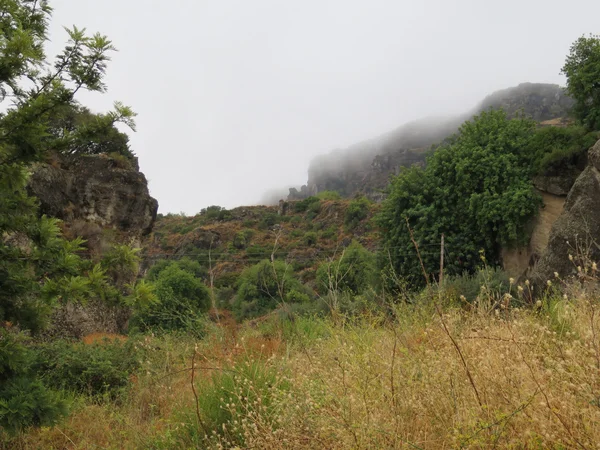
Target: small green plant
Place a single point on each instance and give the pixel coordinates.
(358, 210)
(303, 205)
(310, 239)
(329, 195)
(238, 396)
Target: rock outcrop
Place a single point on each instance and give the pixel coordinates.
(91, 193)
(577, 231)
(106, 201)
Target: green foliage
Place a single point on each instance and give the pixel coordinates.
(582, 69)
(100, 369)
(83, 132)
(491, 281)
(330, 233)
(556, 149)
(475, 189)
(310, 239)
(268, 221)
(216, 213)
(357, 210)
(329, 195)
(242, 239)
(182, 300)
(24, 400)
(256, 251)
(353, 272)
(303, 205)
(265, 285)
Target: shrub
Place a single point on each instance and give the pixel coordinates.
(357, 210)
(24, 399)
(250, 391)
(310, 239)
(98, 369)
(303, 205)
(263, 286)
(268, 221)
(182, 301)
(556, 149)
(329, 195)
(353, 272)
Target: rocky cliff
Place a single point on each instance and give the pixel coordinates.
(97, 196)
(576, 232)
(367, 166)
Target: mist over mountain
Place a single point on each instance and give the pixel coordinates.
(365, 167)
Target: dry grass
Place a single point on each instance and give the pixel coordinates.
(369, 384)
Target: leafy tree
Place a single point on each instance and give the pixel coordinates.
(353, 272)
(475, 190)
(582, 68)
(37, 266)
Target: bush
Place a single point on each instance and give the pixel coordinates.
(263, 286)
(495, 282)
(357, 210)
(216, 213)
(310, 239)
(353, 272)
(98, 369)
(24, 399)
(182, 301)
(554, 149)
(268, 221)
(303, 205)
(329, 195)
(248, 392)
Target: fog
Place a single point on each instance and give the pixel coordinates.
(234, 98)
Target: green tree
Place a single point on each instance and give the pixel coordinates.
(37, 266)
(582, 69)
(475, 190)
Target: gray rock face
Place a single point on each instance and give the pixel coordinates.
(556, 185)
(578, 227)
(96, 189)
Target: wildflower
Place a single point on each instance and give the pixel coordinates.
(526, 282)
(511, 280)
(570, 257)
(578, 268)
(594, 266)
(565, 297)
(520, 289)
(538, 304)
(463, 298)
(549, 283)
(555, 274)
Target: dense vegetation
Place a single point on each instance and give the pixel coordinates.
(299, 326)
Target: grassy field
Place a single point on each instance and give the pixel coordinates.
(431, 376)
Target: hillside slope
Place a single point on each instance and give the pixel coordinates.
(366, 167)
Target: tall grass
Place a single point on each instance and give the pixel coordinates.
(470, 377)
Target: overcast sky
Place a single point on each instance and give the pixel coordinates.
(235, 97)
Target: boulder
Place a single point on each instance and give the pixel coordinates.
(577, 231)
(98, 189)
